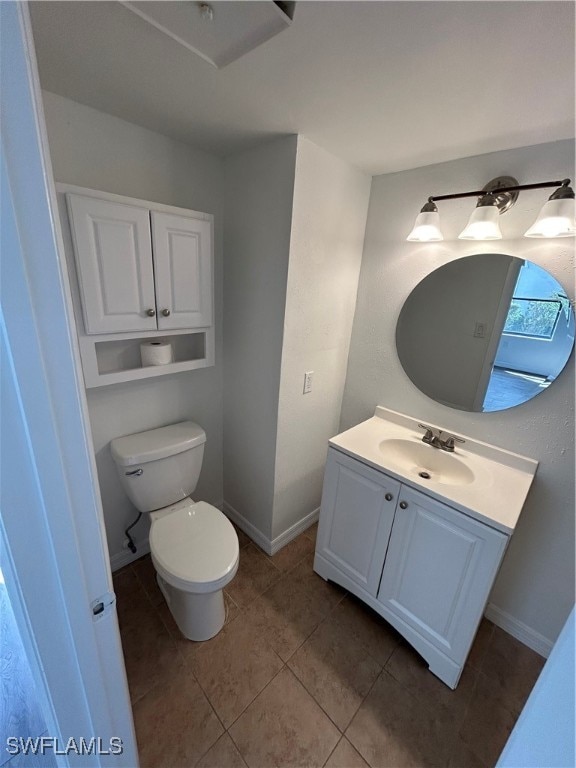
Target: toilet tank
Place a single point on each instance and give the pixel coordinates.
(160, 466)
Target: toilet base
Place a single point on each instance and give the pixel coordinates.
(198, 616)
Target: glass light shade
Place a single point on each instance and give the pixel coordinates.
(426, 228)
(482, 224)
(556, 219)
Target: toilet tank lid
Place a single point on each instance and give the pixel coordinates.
(156, 443)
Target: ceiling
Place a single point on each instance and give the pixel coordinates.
(386, 86)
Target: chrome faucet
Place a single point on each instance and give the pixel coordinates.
(433, 437)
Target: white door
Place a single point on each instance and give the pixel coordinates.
(52, 540)
(438, 572)
(113, 254)
(356, 518)
(182, 271)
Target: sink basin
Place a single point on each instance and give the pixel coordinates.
(487, 483)
(425, 462)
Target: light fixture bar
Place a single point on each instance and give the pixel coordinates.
(556, 219)
(499, 190)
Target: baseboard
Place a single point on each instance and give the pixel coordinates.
(519, 630)
(245, 525)
(120, 559)
(294, 530)
(274, 545)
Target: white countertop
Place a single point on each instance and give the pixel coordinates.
(501, 481)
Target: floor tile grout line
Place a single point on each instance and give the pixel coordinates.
(454, 740)
(254, 699)
(190, 668)
(261, 552)
(217, 718)
(350, 635)
(185, 663)
(334, 750)
(354, 717)
(309, 692)
(350, 632)
(283, 575)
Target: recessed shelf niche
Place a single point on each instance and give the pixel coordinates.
(113, 360)
(118, 355)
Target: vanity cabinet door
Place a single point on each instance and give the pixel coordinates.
(439, 570)
(356, 519)
(182, 271)
(114, 259)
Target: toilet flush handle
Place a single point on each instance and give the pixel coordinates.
(136, 472)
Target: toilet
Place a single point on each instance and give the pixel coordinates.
(194, 547)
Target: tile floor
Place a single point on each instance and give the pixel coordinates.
(305, 675)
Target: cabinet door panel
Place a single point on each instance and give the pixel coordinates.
(182, 270)
(114, 260)
(439, 570)
(356, 519)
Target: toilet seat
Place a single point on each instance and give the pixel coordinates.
(194, 547)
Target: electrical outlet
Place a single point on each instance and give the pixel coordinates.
(308, 382)
(480, 330)
(125, 544)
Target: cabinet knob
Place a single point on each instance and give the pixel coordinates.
(166, 312)
(150, 312)
(388, 497)
(403, 505)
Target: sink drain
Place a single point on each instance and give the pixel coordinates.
(424, 475)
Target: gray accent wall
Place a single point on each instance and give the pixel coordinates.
(259, 192)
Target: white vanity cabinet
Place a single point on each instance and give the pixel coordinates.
(140, 269)
(357, 513)
(424, 566)
(439, 570)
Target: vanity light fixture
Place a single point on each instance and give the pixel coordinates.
(556, 219)
(483, 222)
(427, 225)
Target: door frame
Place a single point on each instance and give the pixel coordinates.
(54, 548)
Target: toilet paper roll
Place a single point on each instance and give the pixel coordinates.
(156, 353)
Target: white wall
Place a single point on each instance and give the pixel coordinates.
(534, 591)
(328, 221)
(96, 150)
(545, 733)
(259, 189)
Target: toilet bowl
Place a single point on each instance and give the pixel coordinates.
(194, 547)
(195, 553)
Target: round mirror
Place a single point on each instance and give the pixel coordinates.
(485, 332)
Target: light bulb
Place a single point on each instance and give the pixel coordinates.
(427, 225)
(483, 223)
(556, 219)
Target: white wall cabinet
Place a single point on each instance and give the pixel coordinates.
(114, 260)
(182, 271)
(139, 271)
(424, 566)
